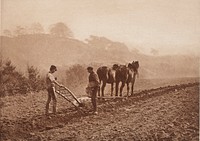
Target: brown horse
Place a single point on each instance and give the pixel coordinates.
(106, 75)
(126, 75)
(132, 72)
(121, 76)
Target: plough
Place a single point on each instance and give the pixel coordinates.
(69, 96)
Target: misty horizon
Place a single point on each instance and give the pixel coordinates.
(141, 49)
(154, 50)
(163, 26)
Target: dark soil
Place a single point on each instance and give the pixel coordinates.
(165, 113)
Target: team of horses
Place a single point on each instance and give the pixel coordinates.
(115, 75)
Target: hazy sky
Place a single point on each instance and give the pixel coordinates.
(170, 26)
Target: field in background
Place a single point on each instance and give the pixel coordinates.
(142, 84)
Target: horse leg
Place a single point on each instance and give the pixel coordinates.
(121, 88)
(127, 88)
(132, 86)
(99, 89)
(116, 88)
(111, 89)
(102, 88)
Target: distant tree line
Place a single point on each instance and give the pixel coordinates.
(59, 29)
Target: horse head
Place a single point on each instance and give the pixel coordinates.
(115, 66)
(135, 66)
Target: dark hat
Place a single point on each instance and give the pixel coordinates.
(89, 68)
(53, 68)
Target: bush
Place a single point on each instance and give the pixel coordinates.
(35, 81)
(11, 81)
(76, 75)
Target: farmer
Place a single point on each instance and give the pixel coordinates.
(93, 85)
(51, 82)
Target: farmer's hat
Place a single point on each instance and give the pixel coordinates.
(89, 68)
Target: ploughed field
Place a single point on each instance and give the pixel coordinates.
(159, 110)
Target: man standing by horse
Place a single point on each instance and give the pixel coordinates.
(94, 86)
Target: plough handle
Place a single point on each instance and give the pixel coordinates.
(72, 94)
(65, 98)
(77, 107)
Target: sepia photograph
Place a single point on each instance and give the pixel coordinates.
(99, 70)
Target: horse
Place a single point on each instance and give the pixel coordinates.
(126, 75)
(106, 75)
(121, 76)
(132, 72)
